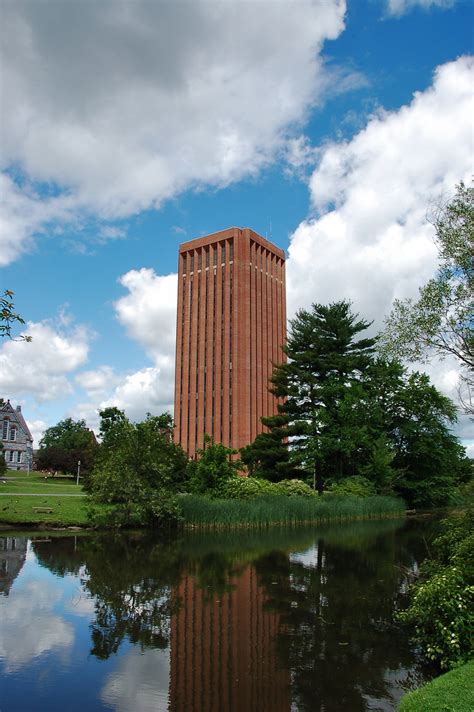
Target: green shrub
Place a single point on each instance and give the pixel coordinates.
(294, 488)
(243, 488)
(357, 486)
(442, 602)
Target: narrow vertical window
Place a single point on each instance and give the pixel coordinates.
(5, 429)
(12, 433)
(231, 251)
(206, 250)
(184, 263)
(191, 266)
(199, 259)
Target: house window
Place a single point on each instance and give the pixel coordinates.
(12, 433)
(5, 429)
(18, 456)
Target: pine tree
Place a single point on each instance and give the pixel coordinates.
(326, 360)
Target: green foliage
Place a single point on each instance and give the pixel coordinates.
(268, 456)
(68, 434)
(294, 488)
(440, 322)
(139, 470)
(236, 487)
(346, 413)
(406, 442)
(9, 317)
(326, 358)
(442, 602)
(199, 511)
(356, 486)
(451, 692)
(213, 467)
(64, 444)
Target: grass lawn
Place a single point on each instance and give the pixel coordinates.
(451, 692)
(67, 511)
(36, 483)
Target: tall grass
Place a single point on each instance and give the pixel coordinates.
(264, 512)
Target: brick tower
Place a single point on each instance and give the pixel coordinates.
(231, 325)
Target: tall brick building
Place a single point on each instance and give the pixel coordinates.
(231, 324)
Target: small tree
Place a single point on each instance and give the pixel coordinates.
(138, 470)
(64, 444)
(439, 323)
(214, 465)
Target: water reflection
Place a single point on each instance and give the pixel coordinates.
(277, 621)
(12, 558)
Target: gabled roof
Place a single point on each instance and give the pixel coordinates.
(6, 407)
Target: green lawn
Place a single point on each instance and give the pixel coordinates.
(67, 511)
(451, 692)
(37, 483)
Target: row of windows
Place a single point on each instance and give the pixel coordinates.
(9, 432)
(207, 256)
(13, 456)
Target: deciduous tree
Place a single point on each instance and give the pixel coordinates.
(440, 322)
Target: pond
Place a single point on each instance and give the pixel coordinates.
(274, 621)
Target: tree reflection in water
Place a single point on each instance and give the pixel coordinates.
(329, 611)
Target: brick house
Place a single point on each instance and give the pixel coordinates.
(15, 437)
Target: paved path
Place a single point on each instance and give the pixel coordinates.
(34, 494)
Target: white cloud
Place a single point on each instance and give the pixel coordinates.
(37, 428)
(40, 368)
(118, 106)
(148, 311)
(29, 627)
(97, 382)
(400, 7)
(149, 390)
(141, 682)
(372, 241)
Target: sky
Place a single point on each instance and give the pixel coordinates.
(127, 127)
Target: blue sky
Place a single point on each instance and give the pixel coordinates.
(129, 127)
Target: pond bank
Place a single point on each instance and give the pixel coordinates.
(202, 513)
(451, 692)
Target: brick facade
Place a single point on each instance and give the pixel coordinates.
(231, 325)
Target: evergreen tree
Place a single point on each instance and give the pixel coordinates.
(326, 360)
(268, 456)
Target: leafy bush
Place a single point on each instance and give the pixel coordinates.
(212, 469)
(294, 488)
(236, 487)
(442, 601)
(356, 486)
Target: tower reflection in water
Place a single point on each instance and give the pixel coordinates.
(224, 650)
